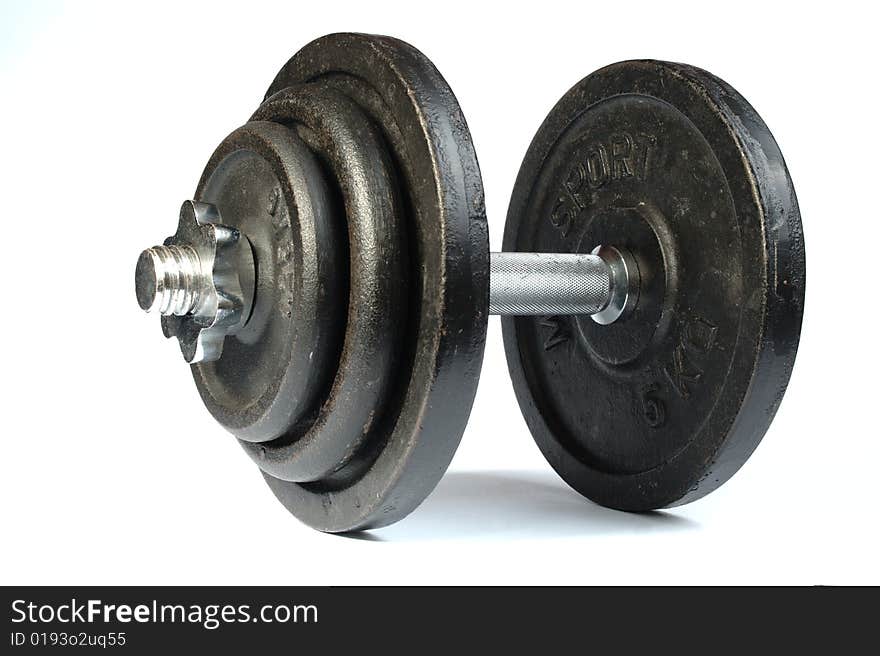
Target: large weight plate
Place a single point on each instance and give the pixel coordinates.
(413, 439)
(661, 407)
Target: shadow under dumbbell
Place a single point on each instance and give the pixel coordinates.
(516, 505)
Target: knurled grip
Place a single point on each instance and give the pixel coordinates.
(548, 283)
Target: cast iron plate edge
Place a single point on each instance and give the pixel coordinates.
(454, 312)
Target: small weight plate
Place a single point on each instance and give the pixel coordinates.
(274, 372)
(664, 405)
(414, 434)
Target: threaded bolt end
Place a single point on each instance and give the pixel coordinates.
(169, 279)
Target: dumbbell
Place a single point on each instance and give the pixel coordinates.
(331, 281)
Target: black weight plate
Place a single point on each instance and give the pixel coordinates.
(661, 407)
(274, 372)
(354, 152)
(444, 328)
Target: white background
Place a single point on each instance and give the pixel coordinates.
(112, 472)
